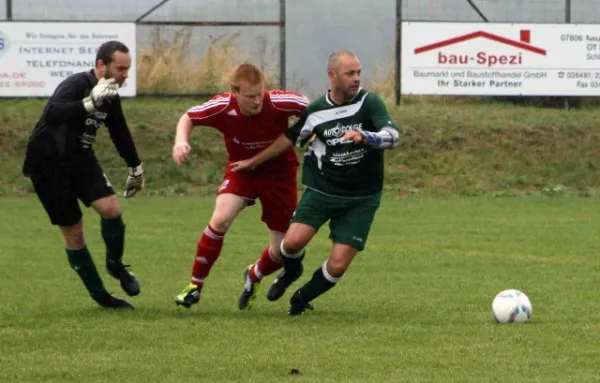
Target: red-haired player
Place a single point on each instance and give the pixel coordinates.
(250, 119)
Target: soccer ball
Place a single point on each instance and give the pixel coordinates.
(511, 306)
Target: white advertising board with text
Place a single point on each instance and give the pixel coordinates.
(500, 59)
(35, 57)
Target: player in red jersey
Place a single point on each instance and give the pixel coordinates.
(250, 119)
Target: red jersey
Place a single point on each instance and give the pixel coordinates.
(246, 136)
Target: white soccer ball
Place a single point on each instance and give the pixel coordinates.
(511, 306)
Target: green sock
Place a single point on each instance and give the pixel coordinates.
(293, 266)
(81, 261)
(113, 233)
(318, 285)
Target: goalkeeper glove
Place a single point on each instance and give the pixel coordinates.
(104, 88)
(135, 181)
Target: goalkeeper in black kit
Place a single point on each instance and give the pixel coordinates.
(63, 168)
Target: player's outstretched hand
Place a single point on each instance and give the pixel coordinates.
(135, 181)
(181, 152)
(242, 166)
(353, 135)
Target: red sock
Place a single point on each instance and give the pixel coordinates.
(207, 252)
(265, 265)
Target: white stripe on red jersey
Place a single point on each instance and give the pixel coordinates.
(210, 108)
(288, 101)
(300, 100)
(208, 105)
(280, 94)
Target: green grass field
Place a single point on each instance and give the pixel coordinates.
(414, 307)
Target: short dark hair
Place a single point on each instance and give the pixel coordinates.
(333, 63)
(108, 49)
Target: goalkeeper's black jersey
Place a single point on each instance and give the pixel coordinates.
(66, 131)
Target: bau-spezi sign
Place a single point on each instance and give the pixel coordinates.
(500, 59)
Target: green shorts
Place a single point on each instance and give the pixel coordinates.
(349, 219)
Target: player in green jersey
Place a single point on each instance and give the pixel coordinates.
(342, 173)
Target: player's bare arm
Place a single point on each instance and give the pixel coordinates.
(280, 145)
(182, 148)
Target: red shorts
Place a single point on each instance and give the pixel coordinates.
(277, 194)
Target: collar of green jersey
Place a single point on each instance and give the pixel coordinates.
(330, 101)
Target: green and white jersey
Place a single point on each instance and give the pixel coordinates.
(336, 167)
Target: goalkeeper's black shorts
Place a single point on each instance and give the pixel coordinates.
(63, 183)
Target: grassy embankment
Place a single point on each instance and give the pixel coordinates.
(462, 146)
